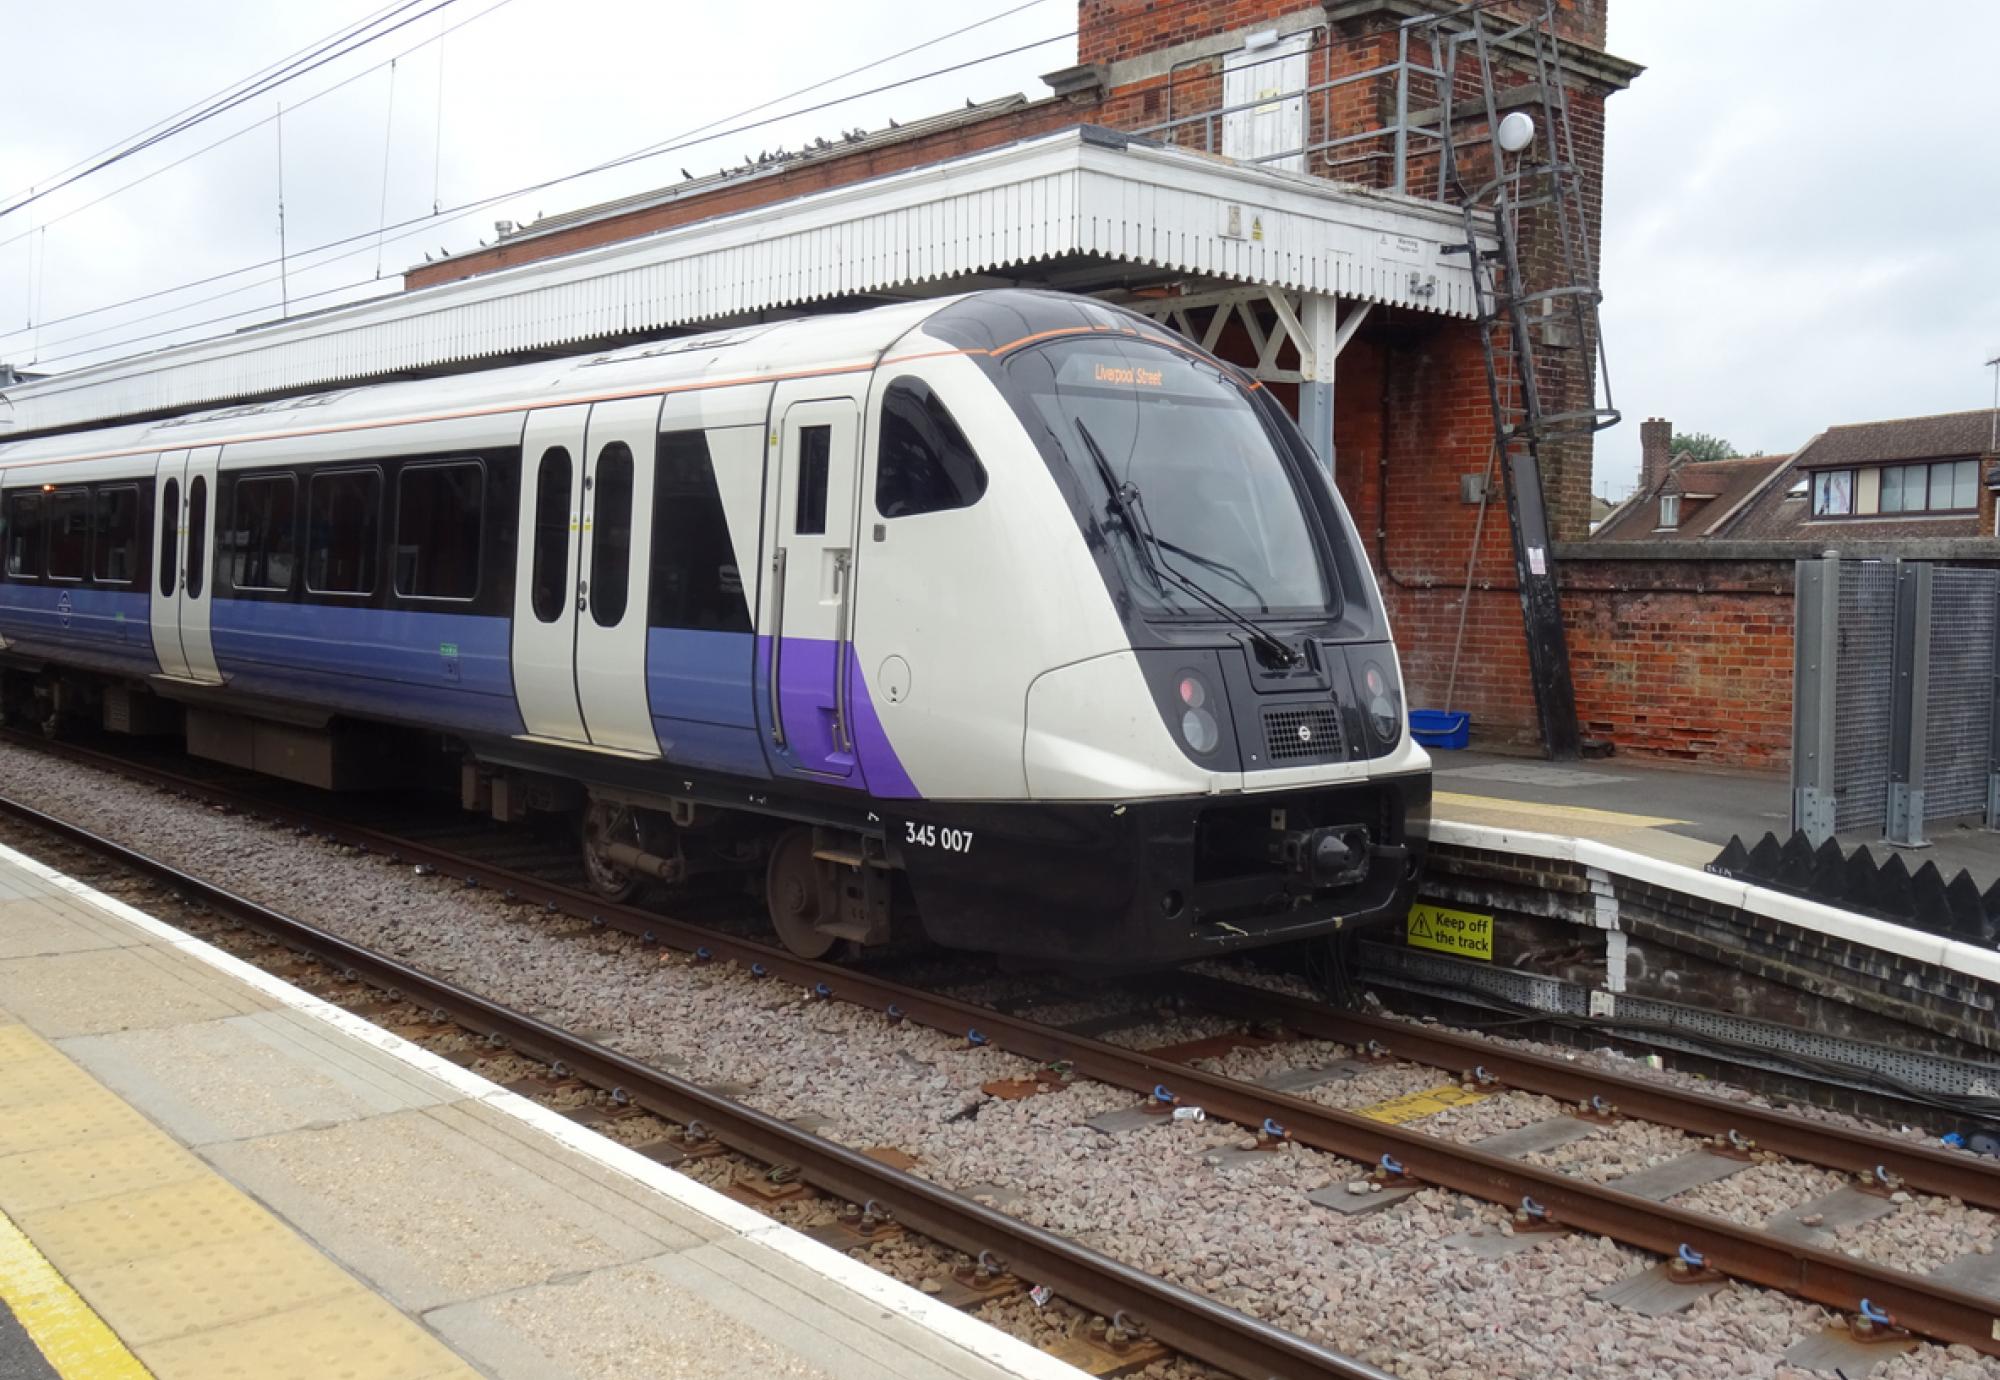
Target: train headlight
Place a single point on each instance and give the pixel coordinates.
(1382, 702)
(1198, 725)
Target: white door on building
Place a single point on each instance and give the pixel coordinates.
(1263, 89)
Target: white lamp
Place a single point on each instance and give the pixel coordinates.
(1517, 131)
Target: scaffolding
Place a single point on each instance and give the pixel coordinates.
(1505, 156)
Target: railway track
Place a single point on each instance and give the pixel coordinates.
(1712, 1248)
(1179, 1318)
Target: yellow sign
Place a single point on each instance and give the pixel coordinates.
(1450, 931)
(1417, 1105)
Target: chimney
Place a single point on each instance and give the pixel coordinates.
(1656, 452)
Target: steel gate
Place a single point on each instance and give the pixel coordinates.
(1896, 703)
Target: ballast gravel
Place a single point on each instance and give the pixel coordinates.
(1380, 1286)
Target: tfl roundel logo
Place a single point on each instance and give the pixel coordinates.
(1305, 733)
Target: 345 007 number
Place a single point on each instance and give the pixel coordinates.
(931, 836)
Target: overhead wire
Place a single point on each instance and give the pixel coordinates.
(316, 44)
(418, 224)
(262, 88)
(295, 107)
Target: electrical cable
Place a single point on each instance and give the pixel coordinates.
(317, 44)
(686, 139)
(417, 224)
(263, 88)
(260, 123)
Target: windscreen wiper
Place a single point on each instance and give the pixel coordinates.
(1132, 508)
(1219, 567)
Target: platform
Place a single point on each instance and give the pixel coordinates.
(1677, 813)
(206, 1174)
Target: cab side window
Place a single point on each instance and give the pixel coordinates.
(924, 464)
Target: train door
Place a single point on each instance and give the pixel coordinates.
(184, 506)
(546, 597)
(614, 577)
(170, 510)
(812, 572)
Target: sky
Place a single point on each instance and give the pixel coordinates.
(1802, 198)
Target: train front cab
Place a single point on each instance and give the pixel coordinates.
(1192, 779)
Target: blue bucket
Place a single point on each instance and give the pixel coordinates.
(1441, 728)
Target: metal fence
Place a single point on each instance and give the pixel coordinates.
(1896, 697)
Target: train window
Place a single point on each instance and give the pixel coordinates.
(115, 558)
(263, 537)
(197, 539)
(696, 582)
(24, 536)
(925, 464)
(343, 510)
(611, 535)
(549, 573)
(69, 534)
(815, 458)
(439, 512)
(170, 522)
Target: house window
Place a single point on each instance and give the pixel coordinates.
(1947, 486)
(1670, 510)
(1833, 493)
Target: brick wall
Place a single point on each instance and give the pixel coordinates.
(1688, 659)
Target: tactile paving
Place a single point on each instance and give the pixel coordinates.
(354, 1337)
(211, 1285)
(154, 1221)
(67, 1122)
(94, 1168)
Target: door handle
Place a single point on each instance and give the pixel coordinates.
(840, 569)
(777, 641)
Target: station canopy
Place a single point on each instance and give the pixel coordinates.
(1085, 210)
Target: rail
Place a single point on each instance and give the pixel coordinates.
(1747, 1254)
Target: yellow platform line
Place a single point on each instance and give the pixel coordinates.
(71, 1338)
(1579, 814)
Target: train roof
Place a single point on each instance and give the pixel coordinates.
(752, 353)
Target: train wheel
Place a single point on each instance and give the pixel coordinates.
(603, 825)
(791, 890)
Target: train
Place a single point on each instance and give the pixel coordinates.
(1009, 622)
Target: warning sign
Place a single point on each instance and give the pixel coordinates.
(1460, 932)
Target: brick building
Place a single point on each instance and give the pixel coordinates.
(1350, 91)
(1902, 479)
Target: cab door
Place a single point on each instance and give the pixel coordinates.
(184, 506)
(812, 580)
(615, 565)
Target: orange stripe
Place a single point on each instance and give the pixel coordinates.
(500, 410)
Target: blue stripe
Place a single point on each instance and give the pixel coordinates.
(446, 669)
(104, 628)
(701, 691)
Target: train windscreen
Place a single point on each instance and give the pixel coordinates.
(1172, 453)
